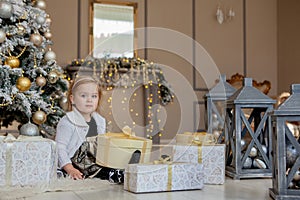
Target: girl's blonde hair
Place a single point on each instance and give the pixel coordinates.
(80, 80)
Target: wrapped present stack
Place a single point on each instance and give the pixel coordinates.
(202, 148)
(115, 149)
(163, 175)
(27, 161)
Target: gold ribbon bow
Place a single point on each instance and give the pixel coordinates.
(202, 138)
(161, 160)
(128, 131)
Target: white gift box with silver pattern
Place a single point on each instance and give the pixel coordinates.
(211, 156)
(163, 177)
(27, 161)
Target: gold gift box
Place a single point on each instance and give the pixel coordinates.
(115, 149)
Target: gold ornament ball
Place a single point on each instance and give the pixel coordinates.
(36, 39)
(23, 84)
(39, 117)
(63, 102)
(48, 35)
(12, 61)
(21, 29)
(48, 20)
(52, 77)
(41, 81)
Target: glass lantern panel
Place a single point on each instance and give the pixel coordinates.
(292, 150)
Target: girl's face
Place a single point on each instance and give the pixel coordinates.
(86, 97)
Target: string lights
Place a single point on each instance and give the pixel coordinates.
(129, 74)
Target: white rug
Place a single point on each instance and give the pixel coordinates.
(63, 184)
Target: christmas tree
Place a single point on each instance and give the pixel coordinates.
(31, 82)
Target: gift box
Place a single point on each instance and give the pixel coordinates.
(115, 149)
(27, 161)
(141, 178)
(211, 156)
(198, 138)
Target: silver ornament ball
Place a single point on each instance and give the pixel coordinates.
(40, 19)
(2, 36)
(248, 163)
(50, 55)
(29, 129)
(5, 9)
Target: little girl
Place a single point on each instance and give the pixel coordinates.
(80, 122)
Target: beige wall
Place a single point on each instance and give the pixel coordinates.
(288, 44)
(224, 43)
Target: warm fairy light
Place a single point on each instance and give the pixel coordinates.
(136, 114)
(131, 110)
(134, 94)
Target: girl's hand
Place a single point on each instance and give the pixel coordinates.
(73, 172)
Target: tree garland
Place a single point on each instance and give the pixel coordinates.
(125, 72)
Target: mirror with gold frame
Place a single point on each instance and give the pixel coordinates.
(112, 25)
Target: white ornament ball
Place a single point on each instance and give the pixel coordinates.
(29, 129)
(5, 9)
(40, 19)
(50, 55)
(41, 4)
(264, 148)
(2, 36)
(243, 144)
(36, 39)
(258, 163)
(297, 176)
(253, 152)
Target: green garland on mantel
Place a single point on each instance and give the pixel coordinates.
(124, 72)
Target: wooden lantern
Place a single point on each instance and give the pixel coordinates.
(286, 148)
(247, 133)
(215, 104)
